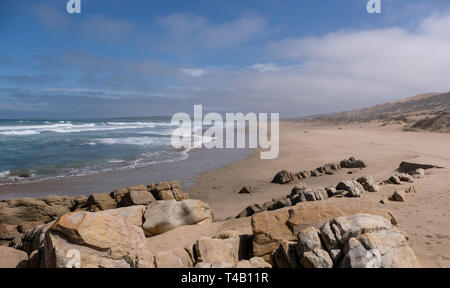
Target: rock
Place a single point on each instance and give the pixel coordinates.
(17, 211)
(308, 240)
(356, 256)
(246, 190)
(178, 258)
(405, 177)
(353, 188)
(395, 180)
(54, 200)
(286, 255)
(368, 183)
(384, 201)
(250, 210)
(279, 203)
(35, 259)
(412, 189)
(255, 262)
(316, 258)
(33, 239)
(393, 248)
(12, 258)
(218, 251)
(418, 173)
(8, 232)
(271, 228)
(137, 197)
(100, 202)
(399, 196)
(409, 168)
(118, 194)
(352, 226)
(162, 216)
(96, 240)
(352, 163)
(133, 214)
(26, 226)
(167, 191)
(315, 173)
(283, 177)
(80, 203)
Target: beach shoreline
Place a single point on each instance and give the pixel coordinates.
(424, 216)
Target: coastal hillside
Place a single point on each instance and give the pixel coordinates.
(429, 112)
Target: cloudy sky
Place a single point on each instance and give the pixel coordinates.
(142, 58)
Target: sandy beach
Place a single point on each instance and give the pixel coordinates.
(221, 174)
(425, 215)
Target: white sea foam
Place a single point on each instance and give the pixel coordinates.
(141, 141)
(4, 174)
(69, 127)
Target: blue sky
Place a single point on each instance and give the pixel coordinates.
(142, 58)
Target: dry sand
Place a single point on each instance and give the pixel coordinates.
(425, 216)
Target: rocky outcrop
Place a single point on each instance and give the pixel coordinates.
(272, 228)
(162, 216)
(352, 241)
(17, 211)
(91, 240)
(8, 233)
(283, 177)
(12, 258)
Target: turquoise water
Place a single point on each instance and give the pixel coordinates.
(35, 150)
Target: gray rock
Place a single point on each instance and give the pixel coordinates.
(308, 240)
(316, 258)
(353, 188)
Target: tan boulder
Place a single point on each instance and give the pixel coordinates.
(17, 211)
(95, 240)
(133, 214)
(137, 197)
(100, 202)
(8, 232)
(167, 191)
(221, 250)
(316, 258)
(179, 258)
(399, 196)
(162, 216)
(26, 226)
(12, 258)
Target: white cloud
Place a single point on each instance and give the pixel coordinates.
(265, 67)
(194, 72)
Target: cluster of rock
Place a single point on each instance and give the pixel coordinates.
(354, 241)
(347, 188)
(285, 177)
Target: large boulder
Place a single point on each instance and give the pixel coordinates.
(133, 214)
(162, 216)
(316, 258)
(178, 258)
(90, 240)
(17, 211)
(220, 251)
(12, 258)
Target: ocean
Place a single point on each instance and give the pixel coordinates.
(36, 150)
